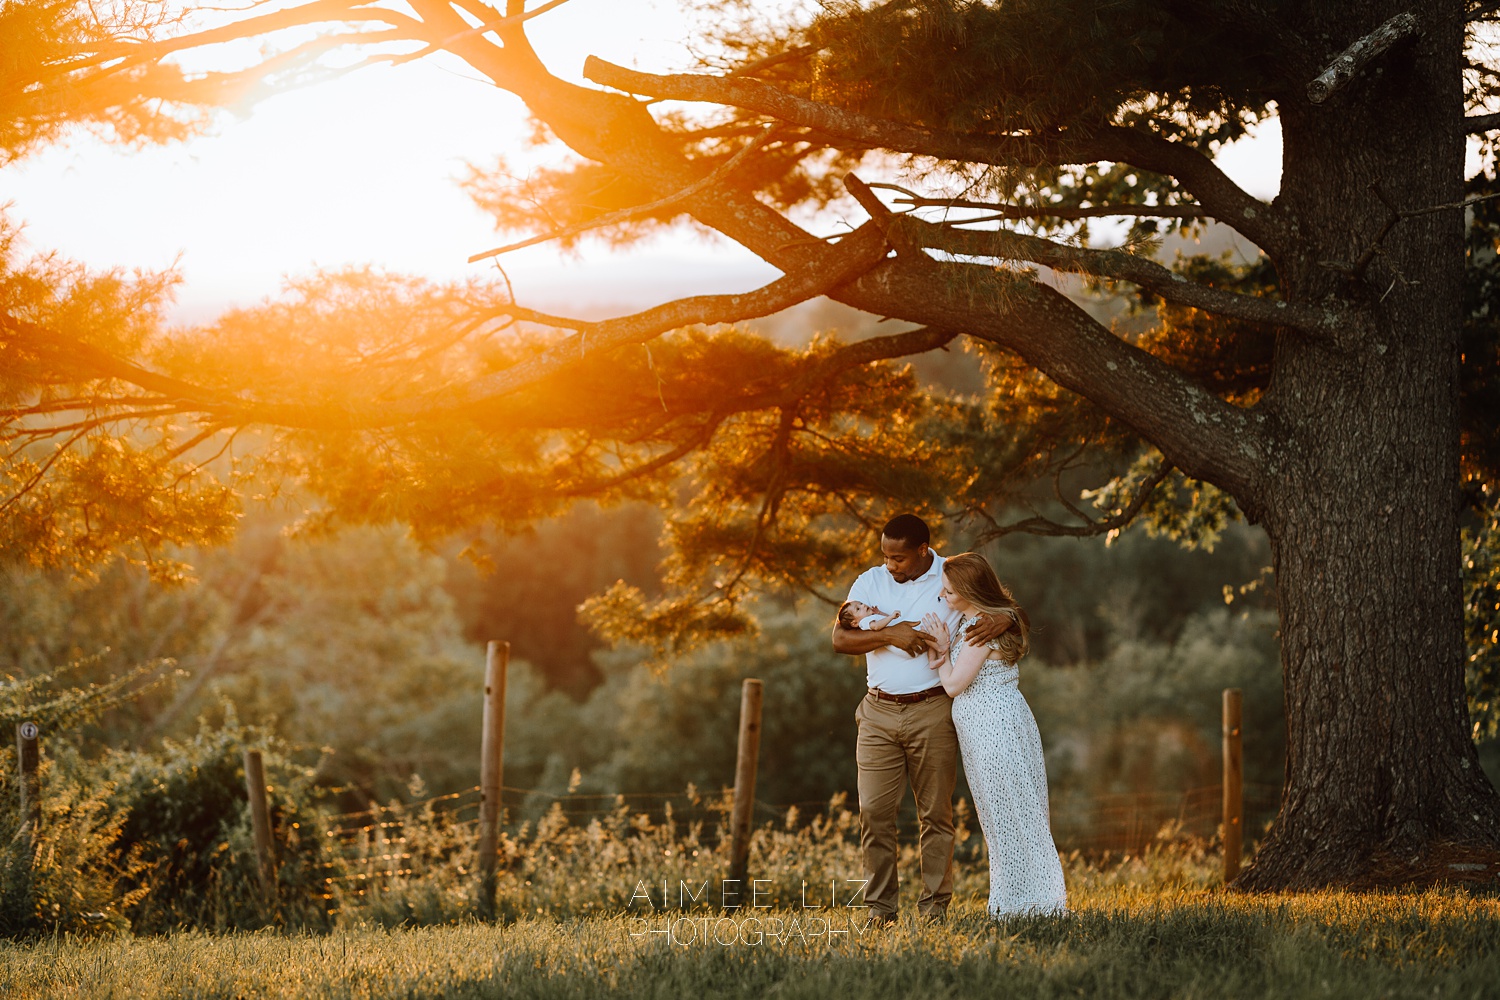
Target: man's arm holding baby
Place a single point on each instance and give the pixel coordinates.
(904, 636)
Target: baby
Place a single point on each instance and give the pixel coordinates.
(858, 614)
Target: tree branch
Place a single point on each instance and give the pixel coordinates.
(625, 214)
(1219, 196)
(1116, 521)
(856, 253)
(1008, 211)
(1475, 124)
(880, 215)
(1201, 434)
(500, 24)
(1121, 266)
(1357, 56)
(1198, 432)
(1395, 216)
(596, 487)
(317, 12)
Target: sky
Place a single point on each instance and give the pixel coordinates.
(363, 170)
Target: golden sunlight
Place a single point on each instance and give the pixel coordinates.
(360, 169)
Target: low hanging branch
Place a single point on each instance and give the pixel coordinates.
(855, 254)
(1116, 521)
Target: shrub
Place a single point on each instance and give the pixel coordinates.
(66, 874)
(189, 825)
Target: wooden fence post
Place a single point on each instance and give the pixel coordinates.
(1234, 776)
(491, 771)
(743, 815)
(29, 757)
(260, 822)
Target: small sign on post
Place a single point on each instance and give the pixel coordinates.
(742, 817)
(1234, 775)
(260, 822)
(29, 756)
(491, 772)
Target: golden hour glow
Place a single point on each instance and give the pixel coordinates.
(705, 497)
(363, 169)
(358, 170)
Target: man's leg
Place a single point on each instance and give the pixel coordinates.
(932, 761)
(882, 782)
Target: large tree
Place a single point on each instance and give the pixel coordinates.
(1319, 390)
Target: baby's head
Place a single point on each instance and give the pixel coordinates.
(850, 613)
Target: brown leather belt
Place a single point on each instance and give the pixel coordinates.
(907, 699)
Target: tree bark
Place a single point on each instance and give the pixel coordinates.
(1383, 783)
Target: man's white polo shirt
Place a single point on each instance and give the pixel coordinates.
(888, 668)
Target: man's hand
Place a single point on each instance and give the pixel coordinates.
(905, 636)
(987, 627)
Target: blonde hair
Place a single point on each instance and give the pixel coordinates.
(973, 579)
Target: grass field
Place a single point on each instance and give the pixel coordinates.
(1125, 939)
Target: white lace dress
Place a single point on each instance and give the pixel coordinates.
(1002, 753)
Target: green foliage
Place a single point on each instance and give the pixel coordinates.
(1188, 511)
(1479, 403)
(1231, 357)
(356, 646)
(1088, 598)
(526, 588)
(49, 89)
(1004, 67)
(1146, 718)
(40, 699)
(1479, 373)
(79, 492)
(679, 721)
(72, 873)
(1482, 625)
(188, 823)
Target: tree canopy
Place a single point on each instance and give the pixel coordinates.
(1316, 390)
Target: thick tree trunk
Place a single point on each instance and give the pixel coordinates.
(1383, 784)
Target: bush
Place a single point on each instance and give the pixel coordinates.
(66, 875)
(189, 826)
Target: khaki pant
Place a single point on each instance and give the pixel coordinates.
(897, 742)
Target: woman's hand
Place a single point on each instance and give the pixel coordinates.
(938, 629)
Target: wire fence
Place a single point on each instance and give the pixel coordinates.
(369, 849)
(1127, 823)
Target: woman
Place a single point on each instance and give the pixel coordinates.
(997, 735)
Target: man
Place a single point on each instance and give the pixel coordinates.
(905, 725)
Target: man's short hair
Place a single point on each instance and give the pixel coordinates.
(908, 529)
